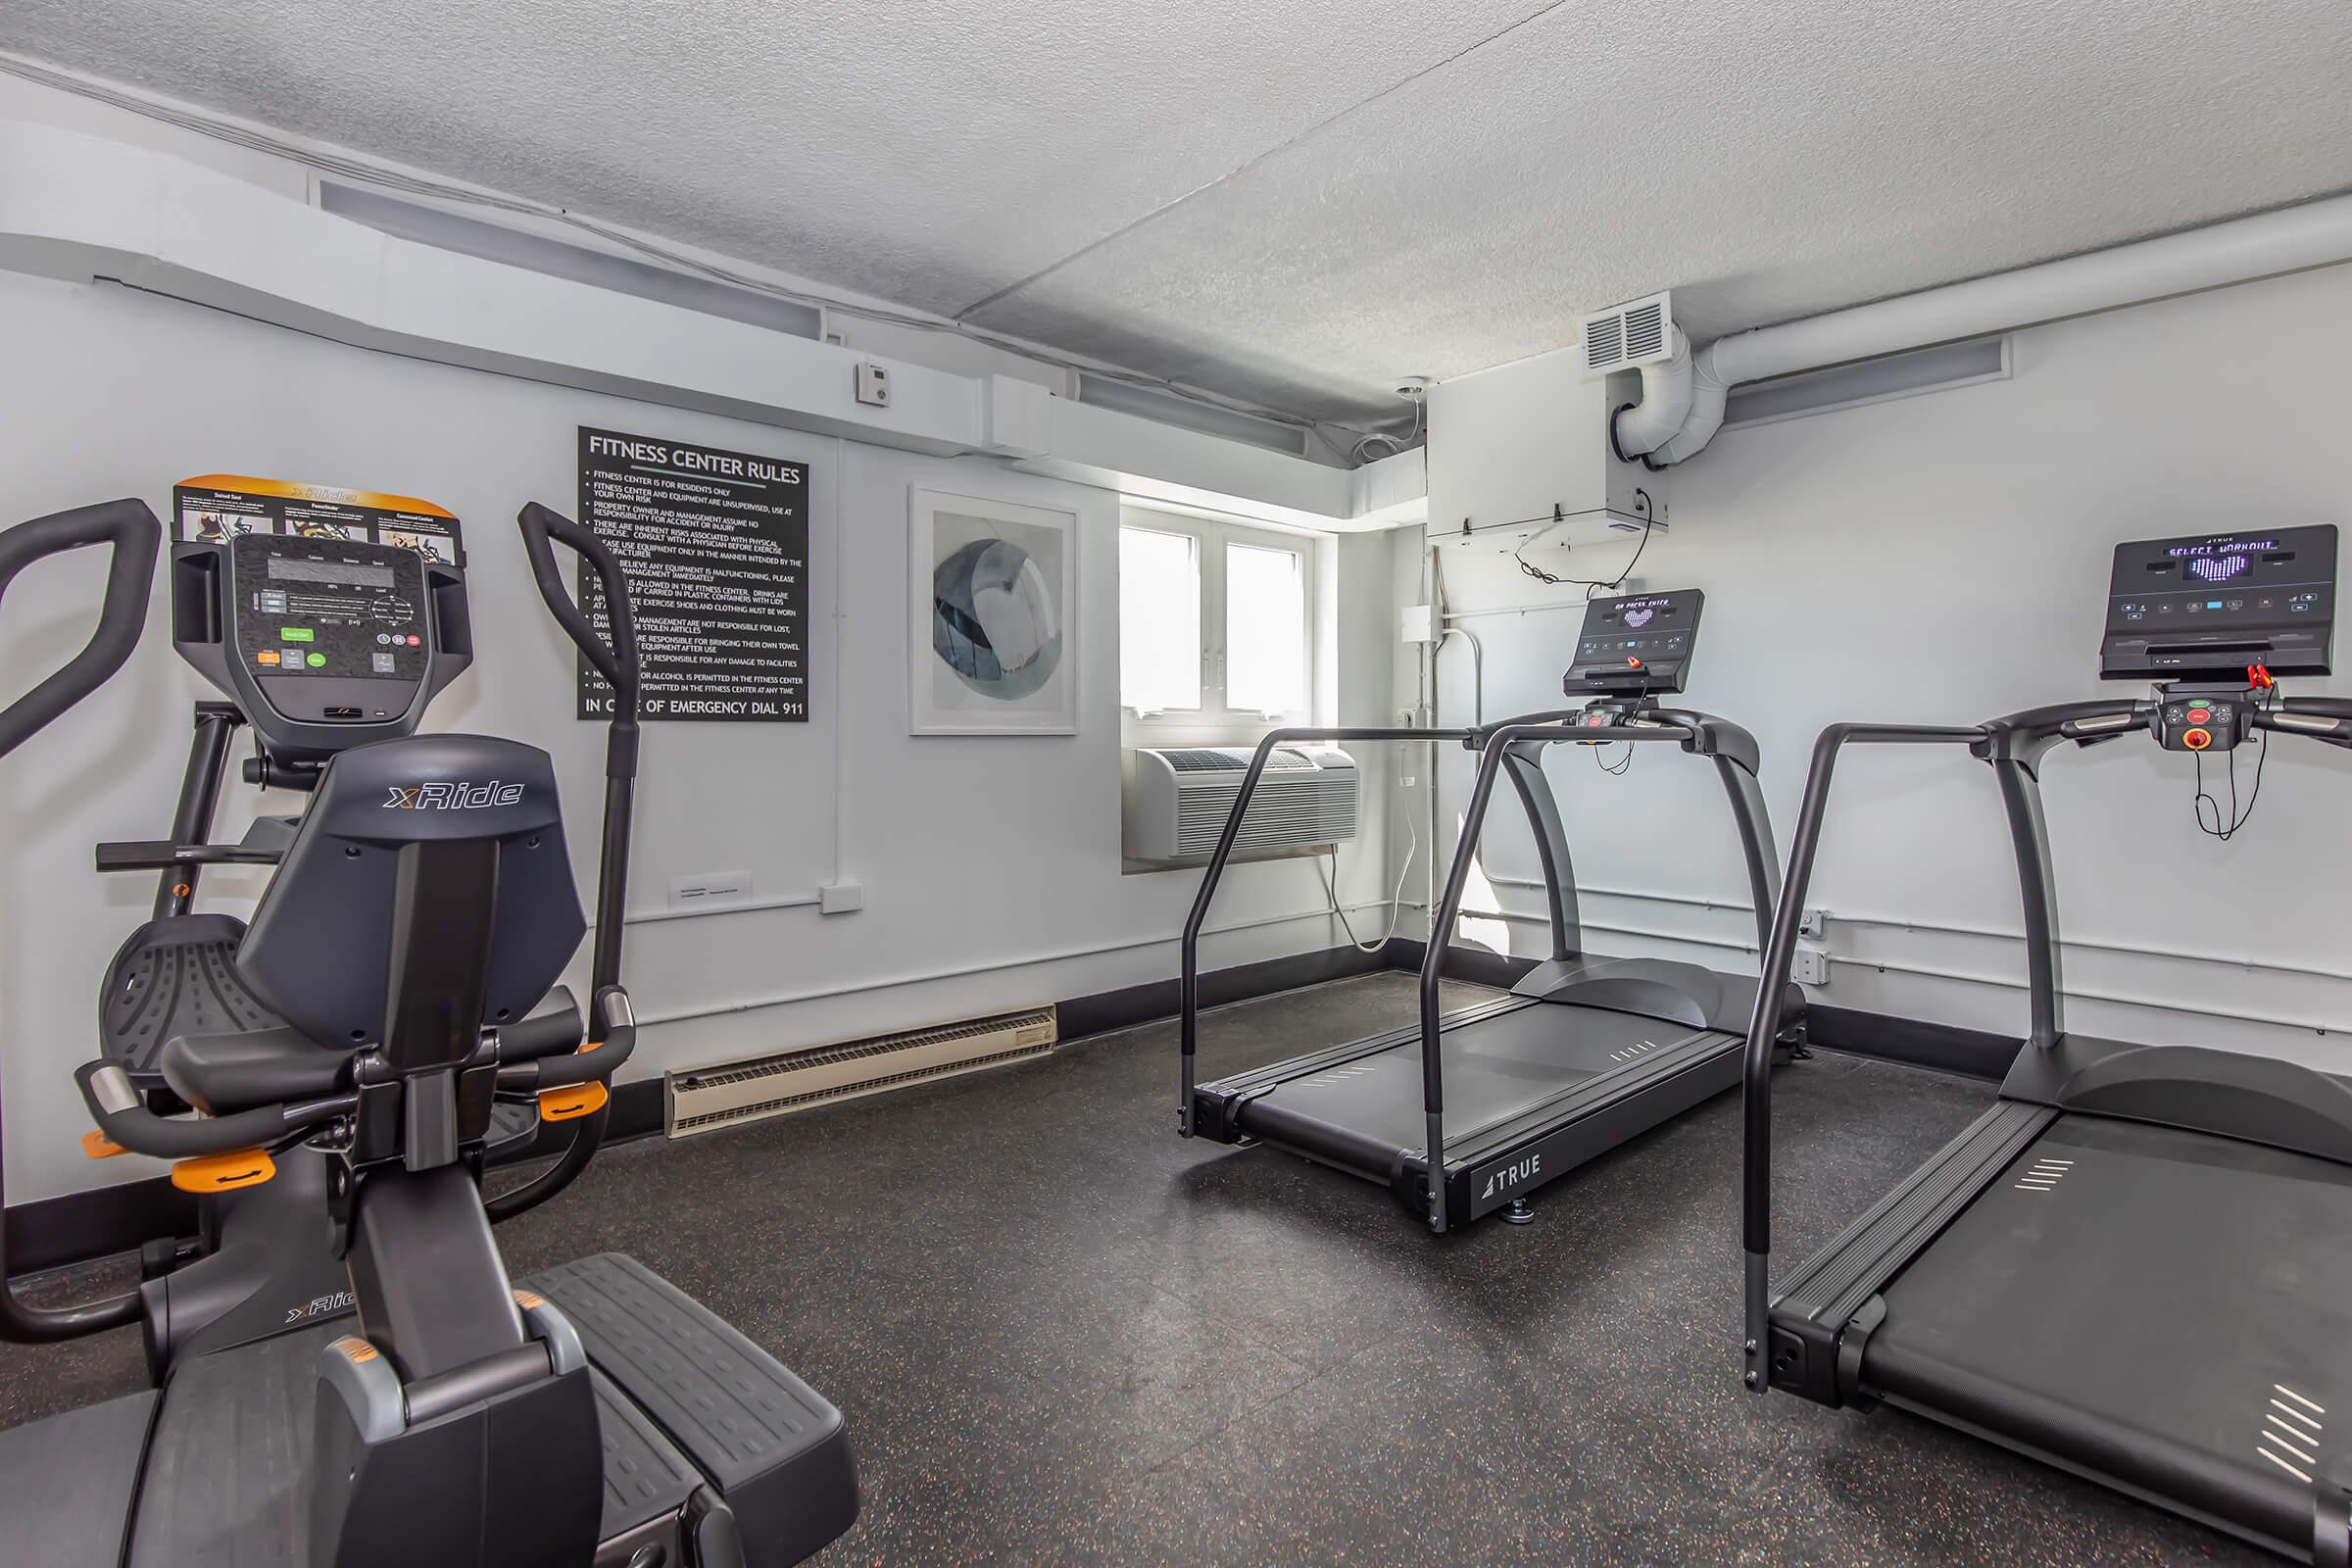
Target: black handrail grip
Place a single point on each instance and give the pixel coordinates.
(131, 532)
(1189, 984)
(1764, 1025)
(616, 661)
(130, 528)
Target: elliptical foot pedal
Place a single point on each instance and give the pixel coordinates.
(774, 1452)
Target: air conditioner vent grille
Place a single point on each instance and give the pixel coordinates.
(1233, 760)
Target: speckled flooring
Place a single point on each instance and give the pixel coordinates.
(1064, 1336)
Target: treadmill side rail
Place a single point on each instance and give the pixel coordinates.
(1810, 1317)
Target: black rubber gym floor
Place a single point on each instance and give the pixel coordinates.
(1063, 1336)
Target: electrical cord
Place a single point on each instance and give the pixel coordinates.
(2208, 807)
(1331, 891)
(1616, 769)
(1591, 586)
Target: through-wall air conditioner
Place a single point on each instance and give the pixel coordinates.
(1179, 797)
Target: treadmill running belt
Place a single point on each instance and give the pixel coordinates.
(2165, 1309)
(1496, 1068)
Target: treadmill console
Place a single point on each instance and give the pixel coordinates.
(1637, 645)
(331, 623)
(2211, 604)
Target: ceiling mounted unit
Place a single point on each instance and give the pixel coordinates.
(1623, 336)
(1178, 799)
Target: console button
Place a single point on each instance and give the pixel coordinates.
(2196, 740)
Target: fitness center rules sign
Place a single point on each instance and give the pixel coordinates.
(715, 548)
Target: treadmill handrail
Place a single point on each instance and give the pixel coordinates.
(1764, 1025)
(1189, 984)
(1698, 733)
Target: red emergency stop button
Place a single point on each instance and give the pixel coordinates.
(1631, 662)
(2196, 740)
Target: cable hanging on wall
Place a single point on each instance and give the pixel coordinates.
(1591, 585)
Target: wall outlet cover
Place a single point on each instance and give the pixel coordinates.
(841, 898)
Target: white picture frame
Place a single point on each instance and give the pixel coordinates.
(981, 574)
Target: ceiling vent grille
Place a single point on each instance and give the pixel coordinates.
(1623, 336)
(729, 1094)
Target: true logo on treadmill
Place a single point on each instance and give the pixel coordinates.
(1510, 1176)
(457, 797)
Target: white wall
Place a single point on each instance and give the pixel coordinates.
(1943, 558)
(991, 865)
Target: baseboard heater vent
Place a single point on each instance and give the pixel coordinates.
(729, 1094)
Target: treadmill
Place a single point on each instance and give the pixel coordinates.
(2137, 1264)
(1584, 1051)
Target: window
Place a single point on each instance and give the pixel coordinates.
(1213, 623)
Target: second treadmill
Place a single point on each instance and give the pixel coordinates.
(1584, 1051)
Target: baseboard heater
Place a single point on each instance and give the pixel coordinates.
(729, 1094)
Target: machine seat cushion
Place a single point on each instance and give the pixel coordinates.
(221, 1074)
(175, 976)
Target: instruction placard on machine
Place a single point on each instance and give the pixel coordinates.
(715, 548)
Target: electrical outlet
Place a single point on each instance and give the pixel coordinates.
(1812, 968)
(873, 383)
(1815, 925)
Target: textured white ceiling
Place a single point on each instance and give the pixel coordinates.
(1298, 200)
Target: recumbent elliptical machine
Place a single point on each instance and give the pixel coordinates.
(344, 1056)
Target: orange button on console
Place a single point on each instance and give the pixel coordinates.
(2196, 740)
(268, 656)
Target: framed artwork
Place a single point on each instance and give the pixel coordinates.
(992, 617)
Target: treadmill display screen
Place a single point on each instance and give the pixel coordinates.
(2214, 604)
(1638, 643)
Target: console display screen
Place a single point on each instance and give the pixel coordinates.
(350, 573)
(1640, 642)
(2219, 603)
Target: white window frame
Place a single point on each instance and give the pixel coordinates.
(1213, 722)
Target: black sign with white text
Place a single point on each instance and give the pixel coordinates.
(715, 548)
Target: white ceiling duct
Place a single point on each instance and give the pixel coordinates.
(2288, 240)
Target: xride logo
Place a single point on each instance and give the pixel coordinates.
(458, 796)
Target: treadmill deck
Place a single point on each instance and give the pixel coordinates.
(1531, 1090)
(2169, 1311)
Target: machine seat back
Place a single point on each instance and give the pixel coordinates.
(428, 894)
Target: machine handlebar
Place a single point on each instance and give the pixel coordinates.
(130, 528)
(617, 660)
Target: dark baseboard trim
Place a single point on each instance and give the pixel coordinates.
(1124, 1009)
(52, 1232)
(1970, 1053)
(1473, 964)
(636, 1111)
